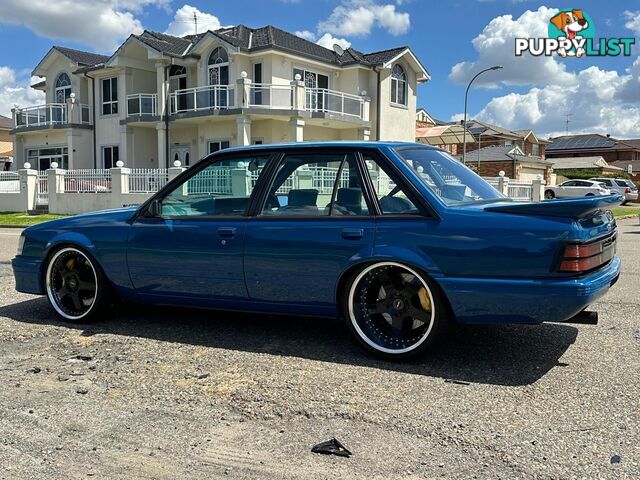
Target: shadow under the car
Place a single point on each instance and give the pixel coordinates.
(510, 355)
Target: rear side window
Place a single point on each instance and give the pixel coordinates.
(317, 185)
(392, 199)
(621, 183)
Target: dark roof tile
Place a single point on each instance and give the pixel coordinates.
(81, 57)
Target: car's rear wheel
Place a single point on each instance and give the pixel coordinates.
(549, 194)
(394, 311)
(76, 287)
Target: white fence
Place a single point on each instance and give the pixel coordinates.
(211, 180)
(9, 182)
(87, 181)
(147, 180)
(331, 101)
(520, 190)
(42, 189)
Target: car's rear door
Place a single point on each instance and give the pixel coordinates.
(193, 248)
(314, 221)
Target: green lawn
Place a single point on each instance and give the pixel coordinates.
(625, 211)
(23, 220)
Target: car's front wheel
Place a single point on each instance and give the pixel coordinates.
(75, 285)
(394, 311)
(549, 194)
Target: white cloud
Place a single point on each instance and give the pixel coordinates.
(100, 24)
(593, 100)
(633, 21)
(600, 101)
(12, 92)
(328, 41)
(306, 34)
(495, 46)
(358, 17)
(183, 24)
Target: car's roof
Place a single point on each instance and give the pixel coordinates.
(329, 144)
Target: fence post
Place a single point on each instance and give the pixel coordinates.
(28, 188)
(297, 88)
(305, 178)
(240, 181)
(119, 186)
(503, 183)
(537, 189)
(173, 172)
(243, 91)
(55, 187)
(366, 107)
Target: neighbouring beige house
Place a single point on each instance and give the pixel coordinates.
(6, 146)
(161, 98)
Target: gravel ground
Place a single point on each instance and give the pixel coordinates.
(161, 393)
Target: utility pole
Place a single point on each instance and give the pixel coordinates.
(566, 129)
(195, 21)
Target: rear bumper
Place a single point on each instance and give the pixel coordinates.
(631, 197)
(480, 300)
(27, 272)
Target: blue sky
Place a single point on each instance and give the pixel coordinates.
(602, 94)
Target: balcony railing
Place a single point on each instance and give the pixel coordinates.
(331, 101)
(267, 95)
(141, 104)
(209, 97)
(53, 114)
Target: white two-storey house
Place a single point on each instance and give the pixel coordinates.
(161, 98)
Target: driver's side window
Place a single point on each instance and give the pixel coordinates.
(391, 198)
(220, 189)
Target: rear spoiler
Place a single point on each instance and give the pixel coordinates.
(569, 207)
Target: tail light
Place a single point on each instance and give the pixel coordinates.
(580, 258)
(627, 190)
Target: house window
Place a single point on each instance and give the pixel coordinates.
(178, 81)
(315, 84)
(110, 96)
(63, 88)
(42, 158)
(217, 145)
(398, 85)
(535, 149)
(110, 156)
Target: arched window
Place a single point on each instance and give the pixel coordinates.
(218, 74)
(62, 88)
(398, 85)
(218, 55)
(186, 159)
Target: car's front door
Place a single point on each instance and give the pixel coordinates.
(192, 247)
(568, 189)
(314, 222)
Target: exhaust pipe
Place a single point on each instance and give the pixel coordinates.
(585, 318)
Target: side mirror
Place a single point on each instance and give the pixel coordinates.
(154, 209)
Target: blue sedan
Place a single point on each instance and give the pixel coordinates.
(399, 239)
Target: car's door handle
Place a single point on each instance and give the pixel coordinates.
(227, 232)
(352, 233)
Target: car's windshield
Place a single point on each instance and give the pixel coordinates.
(453, 182)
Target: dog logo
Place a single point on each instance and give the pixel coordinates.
(571, 23)
(573, 26)
(571, 33)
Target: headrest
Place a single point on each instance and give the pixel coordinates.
(303, 197)
(349, 196)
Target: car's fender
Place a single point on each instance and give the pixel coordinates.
(389, 254)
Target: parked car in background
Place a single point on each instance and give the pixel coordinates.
(623, 186)
(399, 239)
(576, 188)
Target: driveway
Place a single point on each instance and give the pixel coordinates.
(167, 393)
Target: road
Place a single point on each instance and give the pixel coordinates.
(167, 393)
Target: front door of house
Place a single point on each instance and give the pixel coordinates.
(182, 153)
(219, 79)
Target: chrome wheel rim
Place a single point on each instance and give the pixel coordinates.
(391, 307)
(548, 195)
(72, 283)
